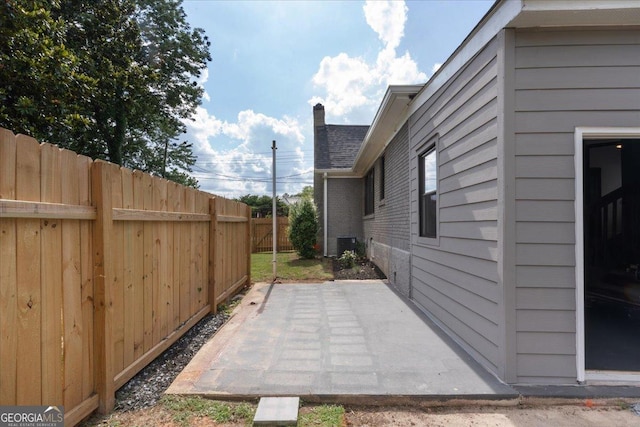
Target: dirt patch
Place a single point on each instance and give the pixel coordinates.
(560, 416)
(363, 270)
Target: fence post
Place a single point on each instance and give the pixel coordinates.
(252, 228)
(249, 240)
(103, 277)
(213, 229)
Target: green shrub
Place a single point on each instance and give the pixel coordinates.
(303, 227)
(348, 259)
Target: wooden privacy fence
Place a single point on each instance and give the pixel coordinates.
(102, 269)
(262, 235)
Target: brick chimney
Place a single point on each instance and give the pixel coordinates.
(318, 115)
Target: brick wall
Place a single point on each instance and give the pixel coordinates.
(389, 224)
(386, 232)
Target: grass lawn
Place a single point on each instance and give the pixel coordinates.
(185, 411)
(289, 267)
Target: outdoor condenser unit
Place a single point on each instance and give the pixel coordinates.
(346, 244)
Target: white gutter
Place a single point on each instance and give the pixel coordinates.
(338, 173)
(324, 215)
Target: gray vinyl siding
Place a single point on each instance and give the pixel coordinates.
(455, 277)
(387, 230)
(563, 79)
(344, 210)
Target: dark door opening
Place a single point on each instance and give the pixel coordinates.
(612, 254)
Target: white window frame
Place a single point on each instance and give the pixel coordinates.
(432, 142)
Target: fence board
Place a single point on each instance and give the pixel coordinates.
(160, 201)
(129, 259)
(84, 165)
(72, 285)
(103, 269)
(174, 198)
(8, 282)
(51, 290)
(117, 265)
(138, 268)
(185, 260)
(193, 254)
(148, 265)
(43, 210)
(29, 367)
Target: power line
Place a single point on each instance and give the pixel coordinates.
(283, 179)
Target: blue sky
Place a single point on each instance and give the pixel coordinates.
(272, 61)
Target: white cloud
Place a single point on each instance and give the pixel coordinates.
(350, 83)
(345, 80)
(435, 67)
(204, 77)
(234, 158)
(387, 18)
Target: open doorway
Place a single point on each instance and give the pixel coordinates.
(611, 184)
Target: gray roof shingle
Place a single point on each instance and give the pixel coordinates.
(336, 146)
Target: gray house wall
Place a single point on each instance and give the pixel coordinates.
(455, 277)
(344, 210)
(386, 232)
(318, 199)
(562, 79)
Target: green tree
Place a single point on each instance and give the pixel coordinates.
(307, 191)
(127, 84)
(303, 227)
(262, 206)
(40, 77)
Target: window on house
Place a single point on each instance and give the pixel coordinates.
(382, 178)
(428, 193)
(369, 194)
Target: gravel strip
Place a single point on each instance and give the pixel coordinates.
(147, 387)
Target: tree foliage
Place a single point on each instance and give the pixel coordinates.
(303, 227)
(262, 206)
(307, 191)
(111, 79)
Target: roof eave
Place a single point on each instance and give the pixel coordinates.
(503, 14)
(528, 14)
(576, 13)
(385, 125)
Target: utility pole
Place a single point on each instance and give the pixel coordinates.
(274, 212)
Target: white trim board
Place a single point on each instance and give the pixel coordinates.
(612, 377)
(580, 134)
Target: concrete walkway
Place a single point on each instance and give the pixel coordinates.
(343, 341)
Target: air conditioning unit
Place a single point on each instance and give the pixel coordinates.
(346, 244)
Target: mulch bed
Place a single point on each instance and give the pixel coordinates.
(364, 269)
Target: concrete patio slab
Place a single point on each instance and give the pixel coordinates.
(343, 341)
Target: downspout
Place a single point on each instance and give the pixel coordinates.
(324, 214)
(410, 296)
